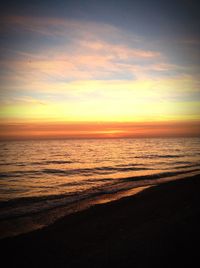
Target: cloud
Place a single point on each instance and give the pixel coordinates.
(191, 41)
(95, 59)
(48, 26)
(25, 100)
(82, 70)
(80, 51)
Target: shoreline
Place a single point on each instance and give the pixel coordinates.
(39, 221)
(157, 226)
(29, 222)
(15, 226)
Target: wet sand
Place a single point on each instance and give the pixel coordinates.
(159, 226)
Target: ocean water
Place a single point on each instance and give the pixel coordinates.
(41, 181)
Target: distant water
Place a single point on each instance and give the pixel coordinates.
(41, 181)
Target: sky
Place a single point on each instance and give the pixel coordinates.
(99, 68)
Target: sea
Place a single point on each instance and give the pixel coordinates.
(41, 181)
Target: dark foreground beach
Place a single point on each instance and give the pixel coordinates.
(159, 226)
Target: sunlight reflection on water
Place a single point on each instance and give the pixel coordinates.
(42, 181)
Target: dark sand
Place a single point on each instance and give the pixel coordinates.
(157, 227)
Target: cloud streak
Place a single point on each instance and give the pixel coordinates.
(75, 70)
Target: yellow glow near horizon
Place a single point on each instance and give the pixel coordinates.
(128, 101)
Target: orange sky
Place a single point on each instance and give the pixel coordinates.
(20, 131)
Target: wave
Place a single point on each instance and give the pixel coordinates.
(92, 171)
(153, 156)
(36, 163)
(160, 175)
(25, 206)
(68, 172)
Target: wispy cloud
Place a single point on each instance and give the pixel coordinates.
(78, 70)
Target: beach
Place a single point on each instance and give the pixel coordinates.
(159, 226)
